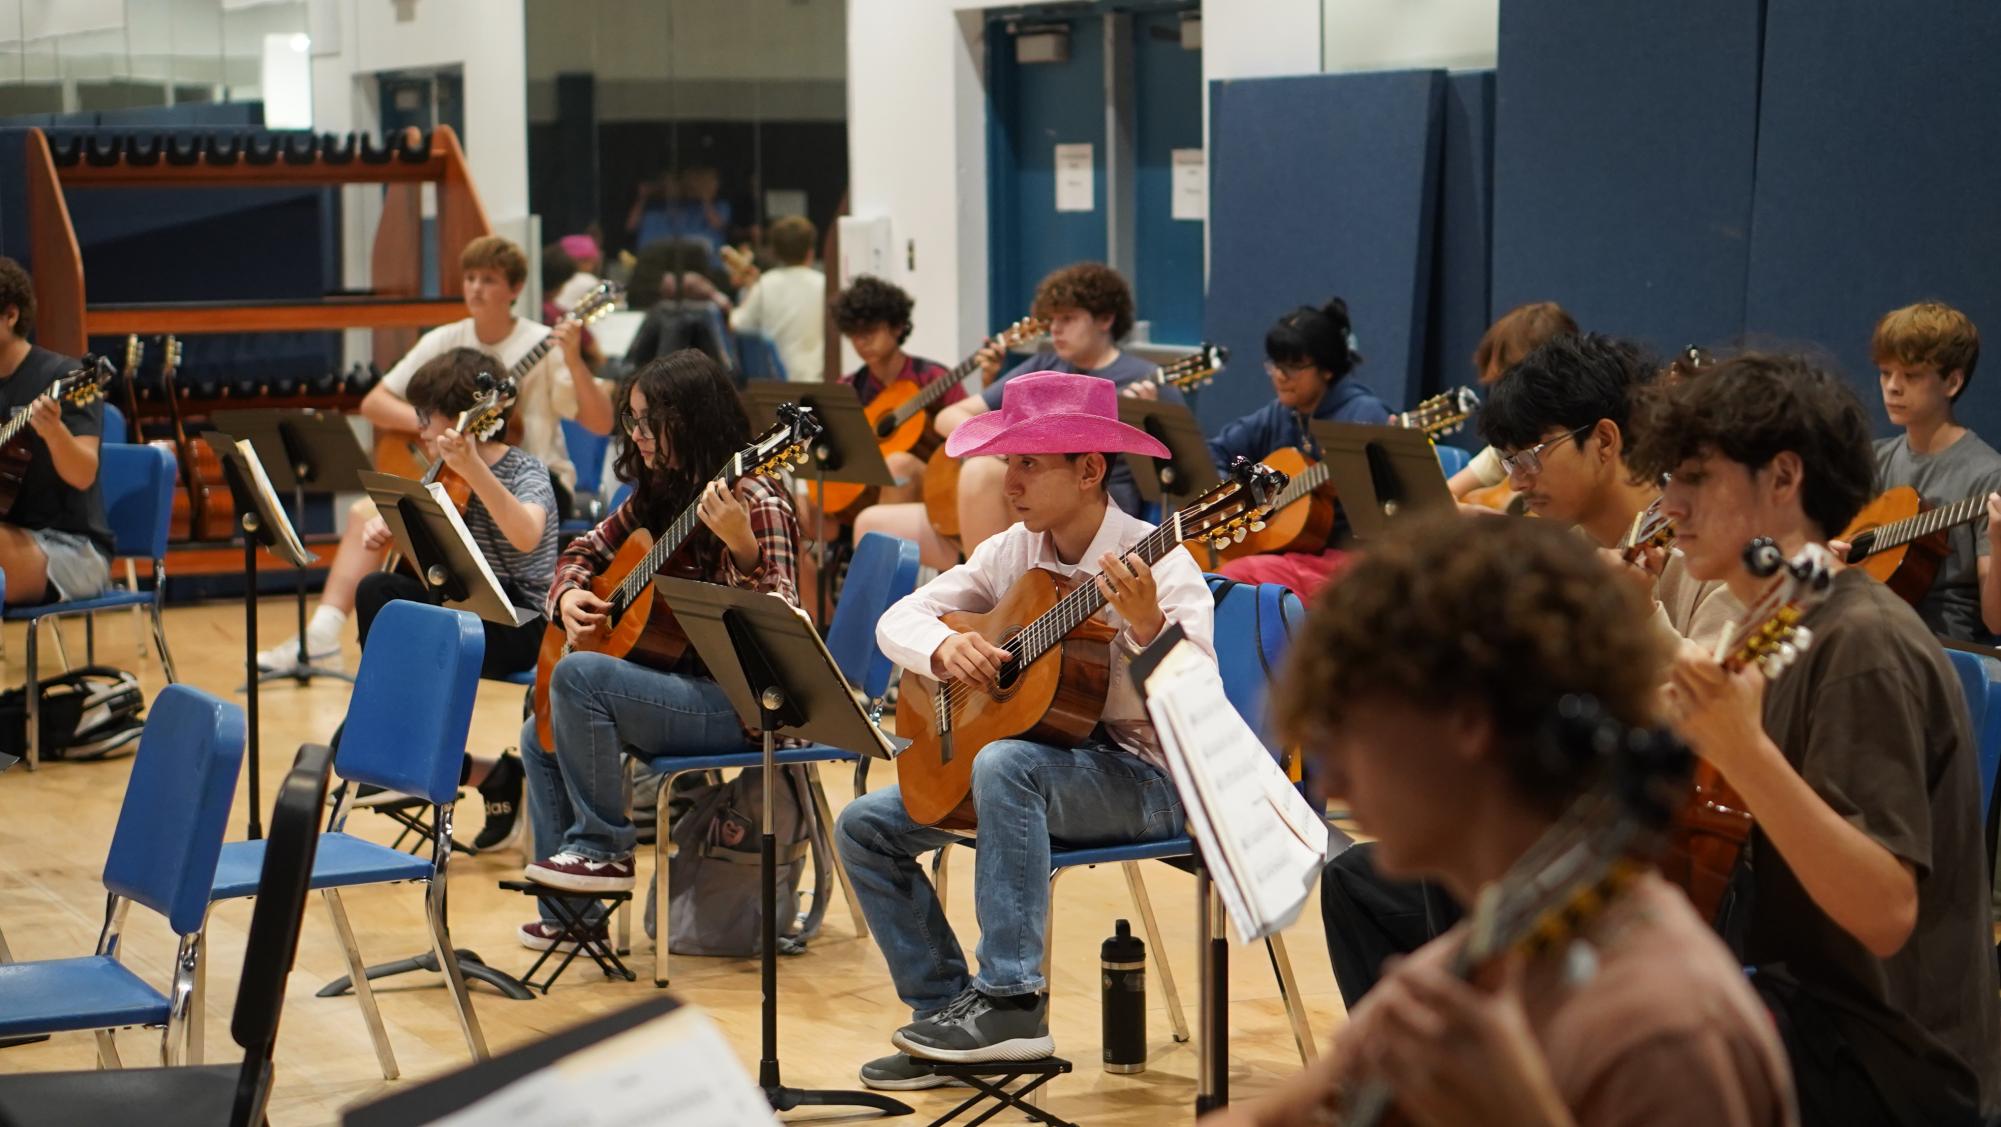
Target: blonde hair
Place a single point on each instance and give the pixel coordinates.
(491, 252)
(1930, 333)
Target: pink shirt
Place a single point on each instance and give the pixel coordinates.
(910, 631)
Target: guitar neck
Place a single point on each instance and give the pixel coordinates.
(670, 541)
(1086, 599)
(12, 429)
(1303, 483)
(531, 358)
(1924, 524)
(928, 395)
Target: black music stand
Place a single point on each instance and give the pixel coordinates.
(303, 451)
(263, 522)
(779, 676)
(443, 555)
(1187, 471)
(1381, 473)
(845, 450)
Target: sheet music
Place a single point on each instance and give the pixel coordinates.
(262, 484)
(1265, 845)
(457, 521)
(675, 1071)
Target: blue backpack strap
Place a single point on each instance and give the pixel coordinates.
(1274, 632)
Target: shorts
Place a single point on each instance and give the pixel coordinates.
(77, 568)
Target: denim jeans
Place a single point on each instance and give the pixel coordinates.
(1026, 794)
(600, 707)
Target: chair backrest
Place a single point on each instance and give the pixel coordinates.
(1255, 623)
(1452, 459)
(170, 828)
(759, 357)
(138, 483)
(884, 569)
(412, 702)
(618, 496)
(273, 942)
(114, 427)
(587, 453)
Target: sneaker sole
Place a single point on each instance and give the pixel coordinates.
(544, 944)
(572, 882)
(914, 1084)
(1020, 1048)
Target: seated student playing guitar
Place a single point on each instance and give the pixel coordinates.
(1310, 356)
(54, 542)
(1436, 709)
(511, 514)
(1867, 909)
(685, 422)
(1056, 432)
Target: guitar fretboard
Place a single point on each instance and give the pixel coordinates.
(934, 391)
(670, 541)
(14, 426)
(1888, 536)
(1086, 599)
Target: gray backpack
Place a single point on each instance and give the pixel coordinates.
(713, 875)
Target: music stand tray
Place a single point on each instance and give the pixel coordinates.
(1188, 470)
(434, 538)
(780, 678)
(1381, 473)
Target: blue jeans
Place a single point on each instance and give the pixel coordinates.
(600, 708)
(1026, 794)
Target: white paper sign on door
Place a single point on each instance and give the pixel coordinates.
(1076, 178)
(1191, 185)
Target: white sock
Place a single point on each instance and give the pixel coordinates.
(323, 631)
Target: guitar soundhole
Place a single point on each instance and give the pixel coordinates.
(1010, 674)
(885, 426)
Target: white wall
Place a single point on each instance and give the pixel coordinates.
(1405, 34)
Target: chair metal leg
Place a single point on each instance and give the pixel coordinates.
(90, 639)
(107, 1049)
(357, 972)
(1049, 939)
(455, 979)
(198, 1006)
(941, 871)
(824, 815)
(62, 648)
(1136, 884)
(34, 697)
(159, 627)
(138, 612)
(6, 956)
(663, 845)
(1295, 1006)
(183, 1001)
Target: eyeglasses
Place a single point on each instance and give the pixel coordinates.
(1529, 461)
(1689, 361)
(423, 418)
(1277, 371)
(633, 424)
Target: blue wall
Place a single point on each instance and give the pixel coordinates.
(1167, 107)
(1464, 235)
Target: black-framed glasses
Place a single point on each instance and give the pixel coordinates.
(633, 424)
(1529, 461)
(424, 418)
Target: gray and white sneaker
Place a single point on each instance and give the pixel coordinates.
(976, 1028)
(901, 1072)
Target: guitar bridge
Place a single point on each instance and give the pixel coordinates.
(941, 706)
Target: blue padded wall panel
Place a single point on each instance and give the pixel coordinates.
(1167, 252)
(1876, 183)
(1463, 239)
(1321, 185)
(1624, 141)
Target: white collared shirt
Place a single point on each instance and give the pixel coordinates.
(909, 632)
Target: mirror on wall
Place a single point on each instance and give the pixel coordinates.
(86, 56)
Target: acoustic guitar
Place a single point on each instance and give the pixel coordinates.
(941, 473)
(79, 388)
(481, 422)
(1053, 689)
(1294, 527)
(1573, 873)
(901, 415)
(1651, 529)
(203, 509)
(400, 452)
(638, 627)
(1902, 541)
(1711, 828)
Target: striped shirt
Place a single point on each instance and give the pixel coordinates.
(524, 573)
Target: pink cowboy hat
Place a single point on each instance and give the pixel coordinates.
(1053, 413)
(580, 247)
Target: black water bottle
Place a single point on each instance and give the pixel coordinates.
(1124, 986)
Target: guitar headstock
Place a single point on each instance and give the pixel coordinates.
(601, 300)
(1442, 414)
(135, 352)
(1651, 529)
(85, 385)
(1771, 636)
(782, 446)
(488, 414)
(1234, 508)
(1197, 369)
(170, 355)
(1022, 331)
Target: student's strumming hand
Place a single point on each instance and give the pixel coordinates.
(459, 452)
(1994, 518)
(46, 416)
(1719, 713)
(970, 659)
(583, 615)
(1128, 585)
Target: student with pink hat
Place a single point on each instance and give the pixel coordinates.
(1057, 432)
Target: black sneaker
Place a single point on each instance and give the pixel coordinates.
(976, 1028)
(901, 1072)
(501, 791)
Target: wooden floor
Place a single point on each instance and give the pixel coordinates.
(837, 1007)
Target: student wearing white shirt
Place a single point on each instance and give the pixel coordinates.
(1056, 431)
(789, 304)
(558, 387)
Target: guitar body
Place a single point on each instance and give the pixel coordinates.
(941, 493)
(1302, 526)
(14, 459)
(1056, 700)
(1706, 840)
(1500, 498)
(395, 453)
(1908, 569)
(646, 633)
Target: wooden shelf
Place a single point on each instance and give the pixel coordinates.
(151, 409)
(184, 317)
(242, 174)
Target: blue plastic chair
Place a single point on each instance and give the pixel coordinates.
(138, 486)
(591, 455)
(1254, 622)
(114, 426)
(1983, 706)
(758, 357)
(1452, 459)
(405, 732)
(163, 856)
(883, 570)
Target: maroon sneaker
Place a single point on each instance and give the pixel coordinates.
(577, 873)
(540, 935)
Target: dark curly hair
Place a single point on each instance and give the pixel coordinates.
(1569, 381)
(1093, 287)
(1507, 616)
(1323, 337)
(870, 301)
(697, 414)
(18, 290)
(1752, 407)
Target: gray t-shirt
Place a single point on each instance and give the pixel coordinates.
(1126, 369)
(528, 574)
(1967, 468)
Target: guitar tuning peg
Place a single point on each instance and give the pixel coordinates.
(1802, 637)
(1257, 526)
(1238, 533)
